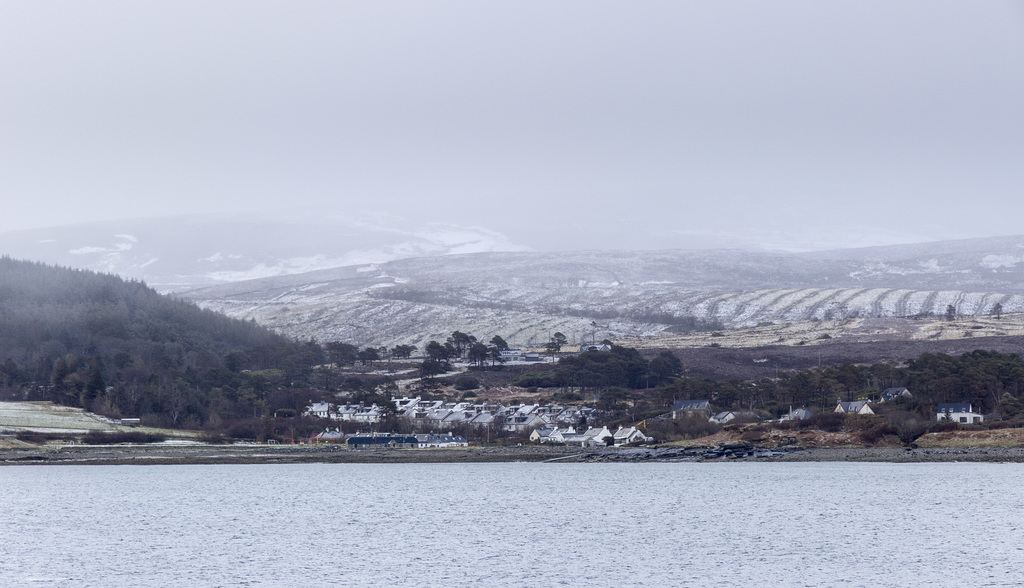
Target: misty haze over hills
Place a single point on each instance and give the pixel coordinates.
(674, 149)
(178, 253)
(185, 252)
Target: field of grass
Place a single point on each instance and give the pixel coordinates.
(51, 419)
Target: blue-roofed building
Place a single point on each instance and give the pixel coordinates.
(379, 441)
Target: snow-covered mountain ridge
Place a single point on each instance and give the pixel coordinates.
(527, 296)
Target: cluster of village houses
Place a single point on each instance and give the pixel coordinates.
(958, 412)
(547, 423)
(555, 424)
(592, 437)
(440, 415)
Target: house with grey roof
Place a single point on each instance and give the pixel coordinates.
(629, 436)
(580, 440)
(592, 437)
(855, 407)
(542, 433)
(483, 419)
(686, 408)
(329, 436)
(798, 414)
(730, 416)
(600, 435)
(551, 434)
(521, 424)
(318, 409)
(367, 414)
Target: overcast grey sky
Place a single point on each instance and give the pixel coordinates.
(619, 124)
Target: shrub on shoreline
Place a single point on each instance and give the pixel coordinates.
(97, 438)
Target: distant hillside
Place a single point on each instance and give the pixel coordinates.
(119, 348)
(598, 294)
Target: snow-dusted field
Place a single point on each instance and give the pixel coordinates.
(525, 297)
(530, 321)
(51, 418)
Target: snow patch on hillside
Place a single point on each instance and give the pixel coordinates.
(456, 240)
(995, 262)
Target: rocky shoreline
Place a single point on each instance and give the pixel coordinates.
(256, 454)
(744, 452)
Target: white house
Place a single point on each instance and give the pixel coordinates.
(551, 434)
(368, 414)
(542, 434)
(524, 417)
(729, 416)
(599, 434)
(319, 409)
(855, 407)
(511, 354)
(449, 440)
(629, 436)
(958, 412)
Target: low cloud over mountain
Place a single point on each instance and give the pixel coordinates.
(178, 253)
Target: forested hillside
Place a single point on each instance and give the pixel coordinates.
(119, 348)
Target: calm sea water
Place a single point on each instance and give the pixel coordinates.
(662, 524)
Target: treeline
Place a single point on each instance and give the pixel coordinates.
(119, 348)
(594, 370)
(991, 381)
(345, 354)
(438, 356)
